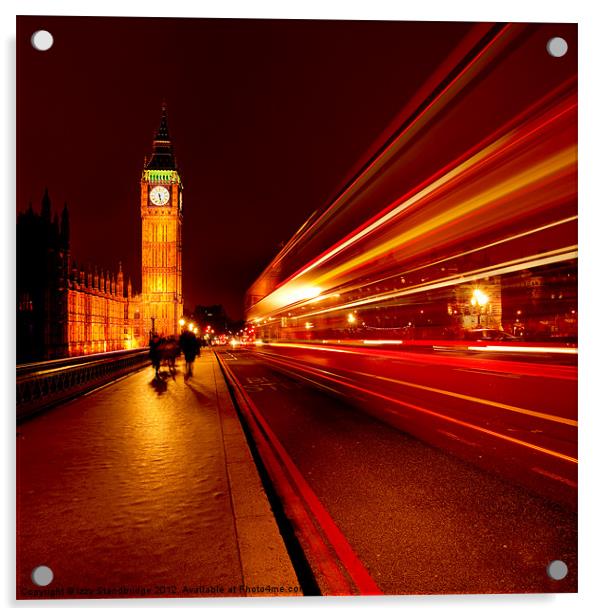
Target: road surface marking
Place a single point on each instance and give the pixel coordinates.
(465, 424)
(453, 394)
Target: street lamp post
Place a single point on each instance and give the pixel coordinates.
(479, 299)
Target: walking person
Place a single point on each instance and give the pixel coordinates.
(155, 353)
(190, 347)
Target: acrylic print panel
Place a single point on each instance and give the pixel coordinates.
(296, 308)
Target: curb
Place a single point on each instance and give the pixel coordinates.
(338, 569)
(265, 563)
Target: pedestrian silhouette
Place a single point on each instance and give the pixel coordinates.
(155, 353)
(191, 348)
(168, 351)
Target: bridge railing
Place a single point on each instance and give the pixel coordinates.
(44, 384)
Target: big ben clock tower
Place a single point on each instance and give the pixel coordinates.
(161, 211)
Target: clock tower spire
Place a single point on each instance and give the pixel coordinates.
(162, 157)
(161, 213)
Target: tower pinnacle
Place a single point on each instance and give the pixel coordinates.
(162, 158)
(162, 133)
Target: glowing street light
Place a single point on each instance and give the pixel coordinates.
(190, 327)
(479, 299)
(182, 322)
(351, 318)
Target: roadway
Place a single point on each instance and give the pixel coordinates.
(419, 519)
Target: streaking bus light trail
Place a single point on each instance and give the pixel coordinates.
(440, 286)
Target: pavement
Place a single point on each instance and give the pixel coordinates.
(146, 488)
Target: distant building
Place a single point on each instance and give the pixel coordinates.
(42, 266)
(64, 310)
(216, 318)
(212, 316)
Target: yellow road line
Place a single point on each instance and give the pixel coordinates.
(453, 394)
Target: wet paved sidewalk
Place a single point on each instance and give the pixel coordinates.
(146, 489)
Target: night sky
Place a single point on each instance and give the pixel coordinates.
(267, 117)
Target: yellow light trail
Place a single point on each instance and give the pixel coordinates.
(562, 254)
(498, 147)
(435, 263)
(425, 192)
(458, 255)
(552, 165)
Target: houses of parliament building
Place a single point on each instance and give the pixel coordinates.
(64, 310)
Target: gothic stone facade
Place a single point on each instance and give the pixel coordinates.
(63, 310)
(101, 317)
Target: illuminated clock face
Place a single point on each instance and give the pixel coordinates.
(159, 195)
